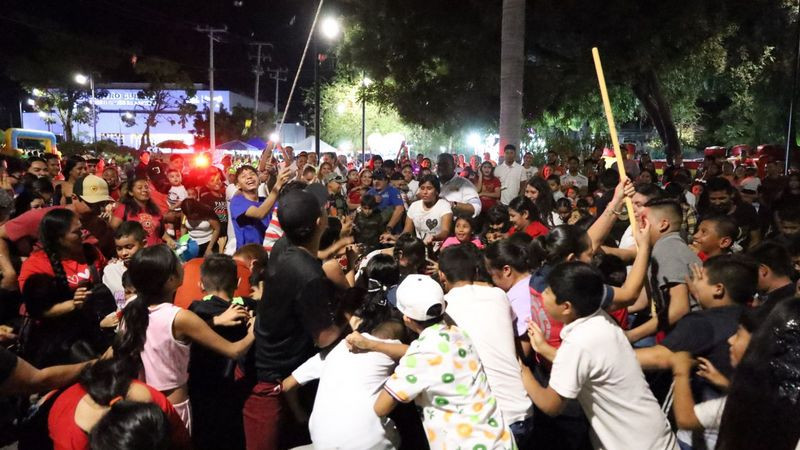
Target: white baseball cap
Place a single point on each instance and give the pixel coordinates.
(416, 294)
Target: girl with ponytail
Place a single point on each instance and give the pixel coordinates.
(350, 376)
(157, 335)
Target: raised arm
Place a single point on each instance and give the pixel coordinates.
(261, 211)
(627, 294)
(602, 226)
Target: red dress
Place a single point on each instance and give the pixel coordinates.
(533, 230)
(489, 185)
(67, 435)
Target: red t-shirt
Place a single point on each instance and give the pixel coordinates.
(77, 272)
(26, 225)
(490, 185)
(533, 230)
(150, 222)
(67, 435)
(190, 291)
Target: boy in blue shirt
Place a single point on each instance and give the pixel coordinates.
(250, 214)
(390, 201)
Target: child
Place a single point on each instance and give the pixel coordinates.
(211, 378)
(707, 415)
(251, 214)
(497, 223)
(462, 233)
(161, 333)
(177, 193)
(554, 181)
(564, 212)
(524, 215)
(129, 238)
(369, 223)
(714, 236)
(442, 373)
(596, 365)
(343, 415)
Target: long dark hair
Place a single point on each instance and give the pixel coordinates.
(132, 207)
(763, 406)
(555, 246)
(545, 201)
(54, 226)
(381, 274)
(149, 269)
(525, 205)
(32, 189)
(70, 163)
(131, 426)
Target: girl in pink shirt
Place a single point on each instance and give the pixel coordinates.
(462, 234)
(161, 333)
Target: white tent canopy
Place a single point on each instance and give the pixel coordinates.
(307, 145)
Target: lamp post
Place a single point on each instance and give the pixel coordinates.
(329, 28)
(82, 79)
(365, 82)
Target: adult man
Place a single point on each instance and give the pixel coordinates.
(722, 201)
(390, 200)
(89, 198)
(458, 191)
(551, 167)
(573, 177)
(511, 175)
(774, 272)
(111, 177)
(295, 315)
(53, 165)
(37, 166)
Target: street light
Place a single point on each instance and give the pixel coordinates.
(329, 27)
(31, 102)
(82, 79)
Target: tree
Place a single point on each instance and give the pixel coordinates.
(165, 81)
(512, 70)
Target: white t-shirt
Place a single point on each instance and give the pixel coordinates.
(485, 314)
(343, 415)
(511, 178)
(428, 222)
(461, 190)
(176, 195)
(413, 187)
(597, 365)
(579, 181)
(112, 278)
(200, 233)
(530, 171)
(709, 414)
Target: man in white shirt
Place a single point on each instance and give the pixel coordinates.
(459, 191)
(485, 314)
(511, 175)
(573, 177)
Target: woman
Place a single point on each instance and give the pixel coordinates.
(539, 192)
(103, 388)
(324, 169)
(74, 168)
(488, 186)
(430, 217)
(647, 176)
(56, 282)
(762, 409)
(139, 207)
(365, 184)
(201, 224)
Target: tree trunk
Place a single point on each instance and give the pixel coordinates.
(512, 70)
(647, 89)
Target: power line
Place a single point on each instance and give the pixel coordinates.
(211, 39)
(258, 70)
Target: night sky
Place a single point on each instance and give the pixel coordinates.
(166, 28)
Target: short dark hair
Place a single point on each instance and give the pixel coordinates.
(609, 178)
(218, 273)
(668, 206)
(243, 168)
(506, 252)
(737, 273)
(369, 201)
(510, 147)
(555, 178)
(130, 228)
(573, 158)
(789, 213)
(651, 191)
(49, 156)
(432, 179)
(34, 159)
(498, 214)
(459, 263)
(717, 184)
(774, 256)
(725, 226)
(578, 283)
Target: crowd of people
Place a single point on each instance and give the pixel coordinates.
(410, 303)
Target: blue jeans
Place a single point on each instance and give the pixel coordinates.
(522, 431)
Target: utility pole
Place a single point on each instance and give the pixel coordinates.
(258, 70)
(211, 31)
(278, 75)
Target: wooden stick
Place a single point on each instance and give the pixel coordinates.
(612, 131)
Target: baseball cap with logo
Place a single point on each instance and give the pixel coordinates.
(92, 189)
(417, 294)
(333, 176)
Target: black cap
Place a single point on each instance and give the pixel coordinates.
(379, 175)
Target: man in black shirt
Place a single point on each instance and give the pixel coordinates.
(294, 317)
(719, 199)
